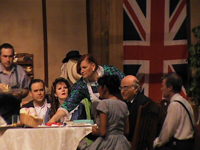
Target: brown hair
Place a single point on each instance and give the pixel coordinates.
(53, 100)
(89, 58)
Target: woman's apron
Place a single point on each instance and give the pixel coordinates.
(94, 97)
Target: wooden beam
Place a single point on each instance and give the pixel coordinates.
(46, 76)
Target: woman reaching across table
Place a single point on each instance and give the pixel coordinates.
(86, 86)
(114, 122)
(59, 93)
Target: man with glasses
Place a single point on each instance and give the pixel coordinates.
(130, 91)
(13, 83)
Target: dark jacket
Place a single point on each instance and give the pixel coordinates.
(9, 106)
(30, 104)
(140, 99)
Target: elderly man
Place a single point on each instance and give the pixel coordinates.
(177, 130)
(130, 91)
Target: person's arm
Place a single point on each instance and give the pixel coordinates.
(126, 127)
(24, 93)
(103, 124)
(101, 131)
(169, 126)
(57, 116)
(20, 95)
(79, 91)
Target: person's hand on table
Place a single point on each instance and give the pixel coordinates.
(95, 130)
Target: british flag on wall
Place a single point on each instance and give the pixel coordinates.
(155, 42)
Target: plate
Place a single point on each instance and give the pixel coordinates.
(42, 126)
(79, 125)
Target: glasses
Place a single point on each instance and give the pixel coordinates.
(125, 88)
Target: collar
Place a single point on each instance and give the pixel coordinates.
(45, 103)
(132, 100)
(175, 97)
(1, 69)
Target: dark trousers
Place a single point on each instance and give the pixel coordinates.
(175, 144)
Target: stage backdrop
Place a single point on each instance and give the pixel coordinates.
(155, 42)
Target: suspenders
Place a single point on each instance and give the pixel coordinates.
(187, 112)
(16, 75)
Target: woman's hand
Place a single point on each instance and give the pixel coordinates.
(57, 116)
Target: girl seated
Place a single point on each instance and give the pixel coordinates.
(113, 112)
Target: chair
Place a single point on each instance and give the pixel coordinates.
(146, 126)
(197, 126)
(197, 137)
(196, 112)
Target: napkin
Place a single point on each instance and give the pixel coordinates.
(2, 121)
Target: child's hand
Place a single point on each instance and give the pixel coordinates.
(95, 130)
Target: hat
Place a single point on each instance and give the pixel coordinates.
(72, 71)
(71, 54)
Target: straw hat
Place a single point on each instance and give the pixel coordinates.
(72, 71)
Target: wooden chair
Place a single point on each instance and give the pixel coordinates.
(146, 126)
(163, 106)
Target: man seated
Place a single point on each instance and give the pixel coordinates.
(130, 91)
(39, 102)
(177, 131)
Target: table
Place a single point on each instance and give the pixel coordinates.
(54, 138)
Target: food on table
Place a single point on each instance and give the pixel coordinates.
(29, 118)
(6, 89)
(16, 124)
(30, 111)
(54, 124)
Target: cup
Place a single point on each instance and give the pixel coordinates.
(15, 119)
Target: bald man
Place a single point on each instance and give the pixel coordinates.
(130, 91)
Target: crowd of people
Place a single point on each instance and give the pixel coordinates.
(101, 93)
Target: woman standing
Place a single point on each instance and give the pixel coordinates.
(113, 112)
(87, 86)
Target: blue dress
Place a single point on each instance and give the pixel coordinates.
(117, 112)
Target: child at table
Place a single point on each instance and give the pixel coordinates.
(113, 113)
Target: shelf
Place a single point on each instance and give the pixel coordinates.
(25, 60)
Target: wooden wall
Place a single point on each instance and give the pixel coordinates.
(105, 31)
(22, 26)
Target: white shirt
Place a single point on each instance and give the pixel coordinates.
(177, 123)
(41, 110)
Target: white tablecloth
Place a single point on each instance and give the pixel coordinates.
(62, 138)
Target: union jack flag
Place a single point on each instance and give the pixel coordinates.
(155, 42)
